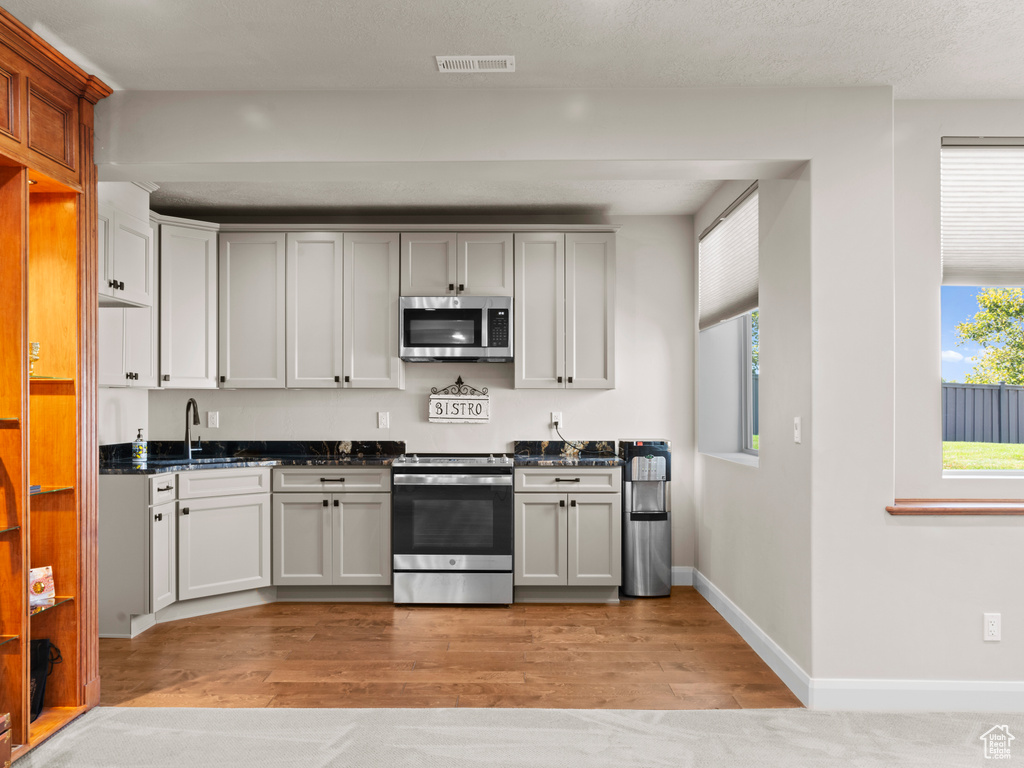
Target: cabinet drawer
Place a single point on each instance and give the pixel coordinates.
(162, 488)
(223, 482)
(333, 479)
(569, 479)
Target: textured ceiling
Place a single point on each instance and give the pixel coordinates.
(923, 48)
(942, 49)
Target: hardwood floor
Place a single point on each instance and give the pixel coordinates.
(674, 653)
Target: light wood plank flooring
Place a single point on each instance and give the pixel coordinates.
(674, 653)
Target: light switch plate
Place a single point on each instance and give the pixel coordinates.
(213, 419)
(383, 419)
(797, 432)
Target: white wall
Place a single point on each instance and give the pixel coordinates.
(952, 570)
(754, 522)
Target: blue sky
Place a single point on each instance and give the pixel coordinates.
(958, 304)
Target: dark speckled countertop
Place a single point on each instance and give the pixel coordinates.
(168, 456)
(558, 453)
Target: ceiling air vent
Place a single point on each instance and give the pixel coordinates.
(459, 64)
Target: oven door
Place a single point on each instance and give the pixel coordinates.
(441, 525)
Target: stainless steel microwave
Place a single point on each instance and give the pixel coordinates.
(456, 328)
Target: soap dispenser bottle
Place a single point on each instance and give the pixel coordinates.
(140, 449)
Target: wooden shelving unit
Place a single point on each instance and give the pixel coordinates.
(48, 294)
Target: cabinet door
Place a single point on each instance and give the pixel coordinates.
(541, 527)
(131, 259)
(371, 311)
(485, 264)
(163, 577)
(302, 539)
(223, 545)
(314, 282)
(188, 307)
(595, 539)
(140, 343)
(428, 264)
(590, 310)
(362, 538)
(110, 330)
(104, 250)
(539, 315)
(252, 309)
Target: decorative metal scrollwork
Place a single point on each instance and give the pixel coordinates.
(459, 388)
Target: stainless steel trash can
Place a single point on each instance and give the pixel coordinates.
(646, 518)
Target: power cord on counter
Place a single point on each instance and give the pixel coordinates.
(578, 446)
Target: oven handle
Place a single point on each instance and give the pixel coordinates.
(453, 479)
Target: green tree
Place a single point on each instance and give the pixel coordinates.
(998, 328)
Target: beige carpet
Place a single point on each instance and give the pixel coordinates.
(116, 737)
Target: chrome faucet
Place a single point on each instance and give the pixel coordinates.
(188, 428)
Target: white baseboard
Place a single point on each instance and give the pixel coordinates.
(201, 606)
(682, 576)
(864, 694)
(791, 673)
(918, 695)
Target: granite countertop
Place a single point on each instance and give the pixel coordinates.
(558, 453)
(168, 456)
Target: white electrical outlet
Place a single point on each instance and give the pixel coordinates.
(213, 419)
(556, 419)
(383, 419)
(993, 628)
(797, 436)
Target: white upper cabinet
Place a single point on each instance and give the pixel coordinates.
(590, 310)
(485, 264)
(539, 313)
(188, 306)
(252, 309)
(314, 309)
(127, 269)
(565, 310)
(457, 264)
(428, 264)
(371, 311)
(127, 347)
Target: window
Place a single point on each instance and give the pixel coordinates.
(729, 330)
(982, 211)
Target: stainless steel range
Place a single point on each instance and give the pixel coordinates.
(452, 528)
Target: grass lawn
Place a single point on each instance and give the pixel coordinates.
(956, 455)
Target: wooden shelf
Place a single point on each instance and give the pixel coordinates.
(5, 639)
(956, 507)
(35, 610)
(10, 423)
(50, 720)
(44, 385)
(50, 489)
(10, 528)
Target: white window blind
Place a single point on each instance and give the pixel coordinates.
(982, 215)
(727, 263)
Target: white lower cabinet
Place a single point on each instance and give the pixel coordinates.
(163, 538)
(138, 549)
(223, 544)
(568, 538)
(332, 538)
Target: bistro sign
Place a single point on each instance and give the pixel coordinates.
(459, 403)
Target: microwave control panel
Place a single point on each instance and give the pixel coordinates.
(497, 327)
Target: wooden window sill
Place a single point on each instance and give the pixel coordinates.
(956, 507)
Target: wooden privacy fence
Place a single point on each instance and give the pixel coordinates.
(982, 413)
